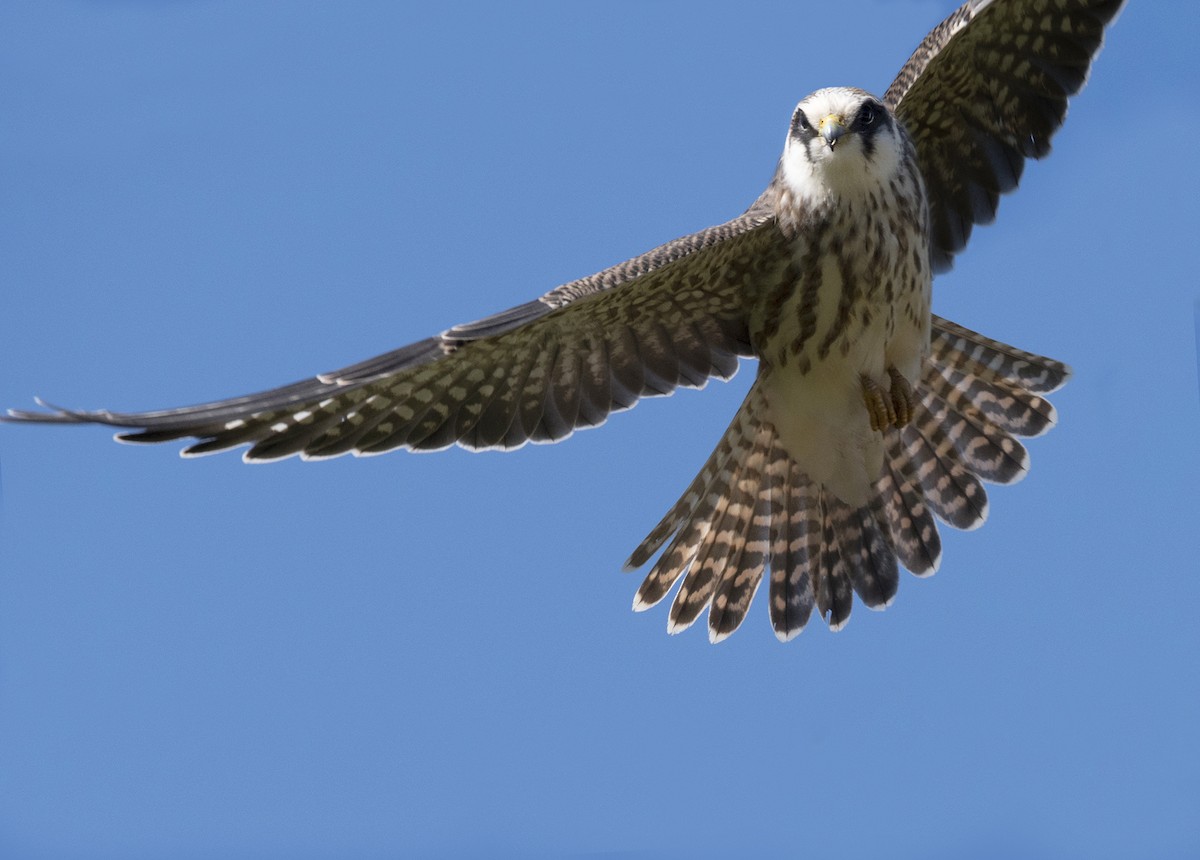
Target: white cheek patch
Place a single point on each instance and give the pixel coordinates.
(801, 175)
(814, 174)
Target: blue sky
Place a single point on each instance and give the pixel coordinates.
(434, 655)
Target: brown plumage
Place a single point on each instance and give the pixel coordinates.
(870, 418)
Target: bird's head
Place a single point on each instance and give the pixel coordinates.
(842, 142)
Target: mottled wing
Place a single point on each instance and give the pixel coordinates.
(985, 90)
(672, 317)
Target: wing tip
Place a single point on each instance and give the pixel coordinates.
(716, 637)
(52, 414)
(675, 626)
(880, 607)
(926, 571)
(785, 634)
(1064, 374)
(977, 522)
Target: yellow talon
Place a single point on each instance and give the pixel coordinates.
(879, 406)
(892, 408)
(903, 399)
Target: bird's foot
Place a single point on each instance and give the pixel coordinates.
(904, 401)
(879, 406)
(891, 408)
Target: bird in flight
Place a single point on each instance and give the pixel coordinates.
(869, 419)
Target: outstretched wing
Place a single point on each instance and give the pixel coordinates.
(672, 317)
(985, 90)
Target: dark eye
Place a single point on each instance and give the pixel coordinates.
(801, 121)
(867, 114)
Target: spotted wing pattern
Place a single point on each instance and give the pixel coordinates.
(672, 317)
(752, 513)
(985, 90)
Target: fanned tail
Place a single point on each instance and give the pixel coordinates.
(751, 511)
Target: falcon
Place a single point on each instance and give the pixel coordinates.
(869, 419)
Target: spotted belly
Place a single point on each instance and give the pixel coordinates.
(842, 322)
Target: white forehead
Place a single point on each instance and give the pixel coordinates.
(839, 100)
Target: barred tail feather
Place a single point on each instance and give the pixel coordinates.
(913, 530)
(796, 541)
(752, 513)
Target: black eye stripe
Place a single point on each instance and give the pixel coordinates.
(801, 127)
(866, 121)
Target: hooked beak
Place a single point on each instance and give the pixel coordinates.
(832, 129)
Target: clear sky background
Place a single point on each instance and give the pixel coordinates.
(434, 655)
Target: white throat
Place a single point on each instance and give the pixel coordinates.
(815, 174)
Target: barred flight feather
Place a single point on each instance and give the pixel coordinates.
(751, 512)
